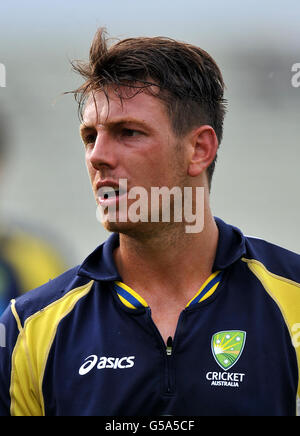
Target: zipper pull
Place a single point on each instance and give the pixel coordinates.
(169, 345)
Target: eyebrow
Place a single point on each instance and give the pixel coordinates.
(110, 125)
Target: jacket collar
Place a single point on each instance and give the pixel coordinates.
(231, 245)
(100, 265)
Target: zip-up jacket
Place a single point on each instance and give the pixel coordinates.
(85, 343)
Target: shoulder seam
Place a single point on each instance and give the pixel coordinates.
(22, 337)
(276, 276)
(35, 353)
(16, 315)
(285, 293)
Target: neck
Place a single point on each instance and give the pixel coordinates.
(170, 259)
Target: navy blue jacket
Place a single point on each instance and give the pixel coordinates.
(85, 343)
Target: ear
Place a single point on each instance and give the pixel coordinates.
(203, 146)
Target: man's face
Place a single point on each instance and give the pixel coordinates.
(133, 141)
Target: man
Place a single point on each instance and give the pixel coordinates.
(26, 260)
(158, 320)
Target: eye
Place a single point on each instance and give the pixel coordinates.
(89, 138)
(130, 133)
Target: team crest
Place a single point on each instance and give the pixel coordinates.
(227, 347)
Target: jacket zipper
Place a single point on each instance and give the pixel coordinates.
(169, 350)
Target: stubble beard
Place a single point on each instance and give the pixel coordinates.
(145, 230)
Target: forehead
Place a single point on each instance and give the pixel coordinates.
(128, 103)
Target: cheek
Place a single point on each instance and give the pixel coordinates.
(91, 169)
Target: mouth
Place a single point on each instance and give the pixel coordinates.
(109, 194)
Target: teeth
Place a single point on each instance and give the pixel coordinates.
(109, 191)
(109, 188)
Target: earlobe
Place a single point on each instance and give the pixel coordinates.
(203, 146)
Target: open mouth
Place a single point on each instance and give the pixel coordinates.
(110, 193)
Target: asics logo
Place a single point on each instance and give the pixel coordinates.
(106, 362)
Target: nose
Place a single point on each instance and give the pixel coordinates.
(103, 152)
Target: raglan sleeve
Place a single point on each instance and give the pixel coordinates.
(8, 337)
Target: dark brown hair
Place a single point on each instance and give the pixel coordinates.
(185, 78)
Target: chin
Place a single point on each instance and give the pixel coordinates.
(137, 230)
(119, 227)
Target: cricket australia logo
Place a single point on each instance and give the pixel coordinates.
(227, 347)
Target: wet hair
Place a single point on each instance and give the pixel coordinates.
(183, 76)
